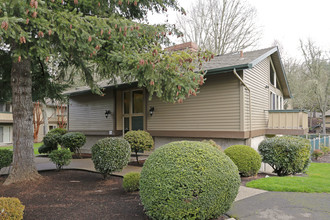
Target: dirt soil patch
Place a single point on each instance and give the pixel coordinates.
(75, 194)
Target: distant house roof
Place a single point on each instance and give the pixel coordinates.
(225, 63)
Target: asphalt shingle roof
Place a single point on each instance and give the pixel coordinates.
(234, 59)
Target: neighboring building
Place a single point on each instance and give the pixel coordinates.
(327, 119)
(241, 102)
(54, 113)
(6, 123)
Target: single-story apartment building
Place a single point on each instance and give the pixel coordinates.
(241, 102)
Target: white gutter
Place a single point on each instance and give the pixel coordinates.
(240, 79)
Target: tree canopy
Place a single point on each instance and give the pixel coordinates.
(42, 40)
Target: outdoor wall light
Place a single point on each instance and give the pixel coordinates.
(151, 110)
(267, 87)
(107, 113)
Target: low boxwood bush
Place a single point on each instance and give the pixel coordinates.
(6, 158)
(139, 141)
(110, 155)
(286, 155)
(73, 141)
(317, 153)
(188, 180)
(60, 157)
(11, 208)
(247, 160)
(131, 182)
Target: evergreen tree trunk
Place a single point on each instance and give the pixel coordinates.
(23, 167)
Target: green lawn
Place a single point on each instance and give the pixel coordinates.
(35, 147)
(318, 180)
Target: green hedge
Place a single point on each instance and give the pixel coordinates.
(286, 155)
(6, 158)
(110, 155)
(247, 160)
(188, 180)
(11, 208)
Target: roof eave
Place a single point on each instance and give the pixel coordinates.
(228, 68)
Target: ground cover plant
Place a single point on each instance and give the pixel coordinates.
(247, 160)
(188, 180)
(286, 155)
(35, 148)
(317, 180)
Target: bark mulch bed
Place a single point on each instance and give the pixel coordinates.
(75, 194)
(323, 159)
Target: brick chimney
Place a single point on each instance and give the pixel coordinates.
(190, 45)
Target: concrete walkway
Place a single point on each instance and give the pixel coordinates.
(283, 206)
(43, 163)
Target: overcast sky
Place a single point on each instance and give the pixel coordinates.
(286, 21)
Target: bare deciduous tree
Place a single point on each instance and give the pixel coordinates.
(221, 26)
(318, 74)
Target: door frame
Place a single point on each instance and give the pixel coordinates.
(130, 112)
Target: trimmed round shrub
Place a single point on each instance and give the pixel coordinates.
(131, 182)
(6, 158)
(51, 141)
(188, 180)
(11, 208)
(73, 140)
(139, 141)
(110, 155)
(247, 160)
(60, 131)
(286, 155)
(60, 157)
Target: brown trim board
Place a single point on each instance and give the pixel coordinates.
(99, 133)
(201, 134)
(225, 134)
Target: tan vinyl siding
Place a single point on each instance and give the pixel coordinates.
(87, 112)
(257, 79)
(327, 121)
(215, 108)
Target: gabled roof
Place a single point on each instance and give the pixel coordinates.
(225, 63)
(229, 62)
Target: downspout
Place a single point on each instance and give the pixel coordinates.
(250, 115)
